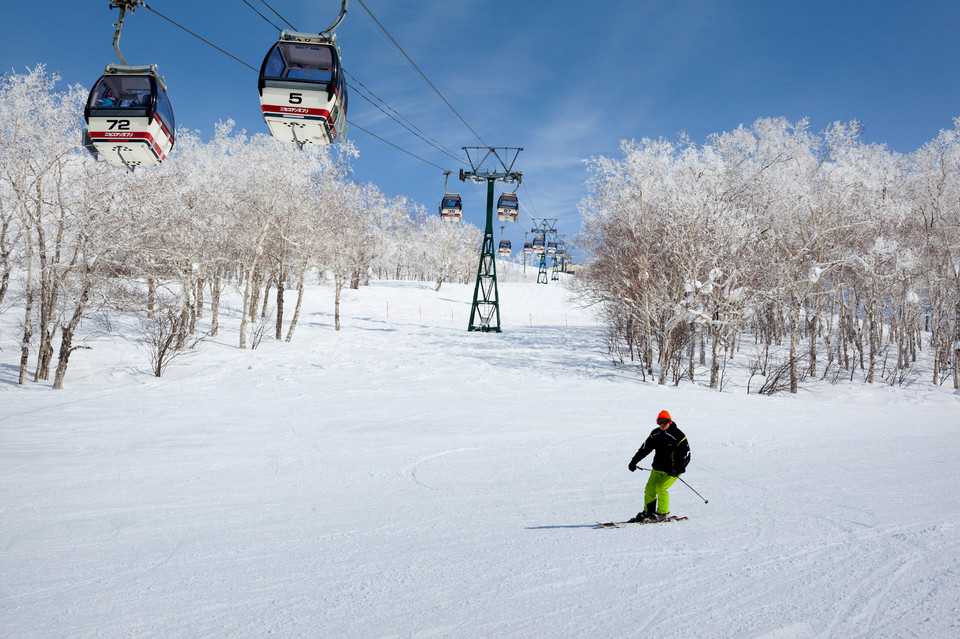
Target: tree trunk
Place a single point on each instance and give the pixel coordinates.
(253, 279)
(45, 353)
(794, 338)
(813, 324)
(873, 346)
(665, 354)
(956, 345)
(247, 303)
(703, 346)
(198, 313)
(27, 315)
(279, 282)
(4, 261)
(184, 326)
(151, 297)
(215, 302)
(266, 296)
(66, 337)
(296, 310)
(4, 281)
(715, 364)
(693, 349)
(48, 303)
(338, 288)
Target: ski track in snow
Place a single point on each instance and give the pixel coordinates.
(405, 478)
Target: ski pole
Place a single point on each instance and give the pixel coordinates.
(706, 501)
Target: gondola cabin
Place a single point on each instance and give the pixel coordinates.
(303, 93)
(538, 245)
(451, 207)
(504, 248)
(508, 207)
(129, 117)
(551, 248)
(528, 247)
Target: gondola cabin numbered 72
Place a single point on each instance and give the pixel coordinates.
(303, 95)
(129, 117)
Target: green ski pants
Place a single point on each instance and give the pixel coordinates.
(655, 494)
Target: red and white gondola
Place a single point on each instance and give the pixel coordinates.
(303, 92)
(508, 207)
(451, 207)
(129, 117)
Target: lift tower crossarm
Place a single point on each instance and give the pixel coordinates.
(479, 174)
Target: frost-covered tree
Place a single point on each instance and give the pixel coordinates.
(935, 182)
(39, 137)
(448, 250)
(774, 229)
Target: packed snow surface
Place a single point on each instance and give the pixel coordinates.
(406, 478)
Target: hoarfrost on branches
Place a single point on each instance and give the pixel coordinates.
(822, 236)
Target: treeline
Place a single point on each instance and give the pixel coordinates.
(79, 238)
(845, 251)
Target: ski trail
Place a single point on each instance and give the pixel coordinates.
(411, 471)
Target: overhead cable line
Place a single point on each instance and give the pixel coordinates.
(535, 215)
(418, 131)
(276, 14)
(179, 26)
(376, 106)
(265, 18)
(414, 65)
(357, 126)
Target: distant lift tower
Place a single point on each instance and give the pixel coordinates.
(545, 228)
(485, 312)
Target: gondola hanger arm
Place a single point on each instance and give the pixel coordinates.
(123, 5)
(336, 23)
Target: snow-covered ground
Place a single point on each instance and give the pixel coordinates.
(406, 478)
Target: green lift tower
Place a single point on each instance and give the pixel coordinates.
(485, 312)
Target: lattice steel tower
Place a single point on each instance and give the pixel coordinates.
(485, 312)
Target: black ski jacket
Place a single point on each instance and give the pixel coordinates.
(672, 450)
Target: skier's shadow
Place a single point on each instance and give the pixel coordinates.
(561, 527)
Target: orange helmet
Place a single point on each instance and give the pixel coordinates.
(664, 415)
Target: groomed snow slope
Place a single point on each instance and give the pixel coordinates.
(406, 478)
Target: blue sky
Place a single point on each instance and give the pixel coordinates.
(565, 80)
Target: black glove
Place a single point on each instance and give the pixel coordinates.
(632, 466)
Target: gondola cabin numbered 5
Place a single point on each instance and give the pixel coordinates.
(129, 117)
(303, 95)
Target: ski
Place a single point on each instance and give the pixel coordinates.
(624, 524)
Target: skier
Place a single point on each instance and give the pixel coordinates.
(671, 458)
